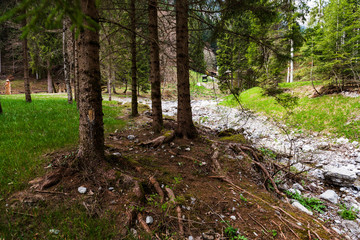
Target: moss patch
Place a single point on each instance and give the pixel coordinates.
(238, 138)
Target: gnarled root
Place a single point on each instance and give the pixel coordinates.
(160, 140)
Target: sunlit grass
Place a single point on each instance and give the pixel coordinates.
(29, 130)
(332, 114)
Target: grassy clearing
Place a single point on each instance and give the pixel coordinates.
(333, 114)
(30, 130)
(27, 132)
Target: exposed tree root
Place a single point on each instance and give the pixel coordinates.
(178, 210)
(143, 223)
(157, 188)
(241, 149)
(169, 136)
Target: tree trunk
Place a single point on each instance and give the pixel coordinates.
(155, 79)
(134, 104)
(49, 79)
(76, 71)
(66, 25)
(91, 127)
(185, 125)
(126, 86)
(26, 68)
(109, 77)
(0, 62)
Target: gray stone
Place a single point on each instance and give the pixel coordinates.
(330, 195)
(341, 177)
(352, 226)
(117, 154)
(149, 220)
(82, 189)
(298, 187)
(294, 191)
(233, 217)
(131, 137)
(302, 208)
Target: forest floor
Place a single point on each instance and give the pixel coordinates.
(208, 188)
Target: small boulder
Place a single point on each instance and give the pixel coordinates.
(298, 187)
(149, 220)
(298, 205)
(82, 190)
(330, 195)
(341, 177)
(131, 137)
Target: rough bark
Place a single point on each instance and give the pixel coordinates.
(66, 32)
(185, 125)
(134, 103)
(155, 78)
(49, 78)
(76, 71)
(26, 68)
(91, 127)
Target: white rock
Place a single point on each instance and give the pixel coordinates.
(149, 220)
(111, 188)
(117, 154)
(131, 137)
(294, 191)
(54, 231)
(187, 149)
(330, 195)
(308, 148)
(82, 189)
(298, 187)
(302, 208)
(340, 176)
(233, 217)
(342, 140)
(190, 238)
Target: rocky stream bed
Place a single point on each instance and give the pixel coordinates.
(332, 164)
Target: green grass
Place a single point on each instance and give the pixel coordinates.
(69, 221)
(30, 130)
(332, 114)
(27, 132)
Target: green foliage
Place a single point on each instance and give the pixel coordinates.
(348, 214)
(30, 130)
(267, 152)
(233, 233)
(309, 203)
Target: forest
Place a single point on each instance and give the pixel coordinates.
(158, 119)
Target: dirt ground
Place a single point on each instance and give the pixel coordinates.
(197, 188)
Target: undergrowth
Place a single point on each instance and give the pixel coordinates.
(348, 214)
(310, 203)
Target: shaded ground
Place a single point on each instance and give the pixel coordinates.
(214, 202)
